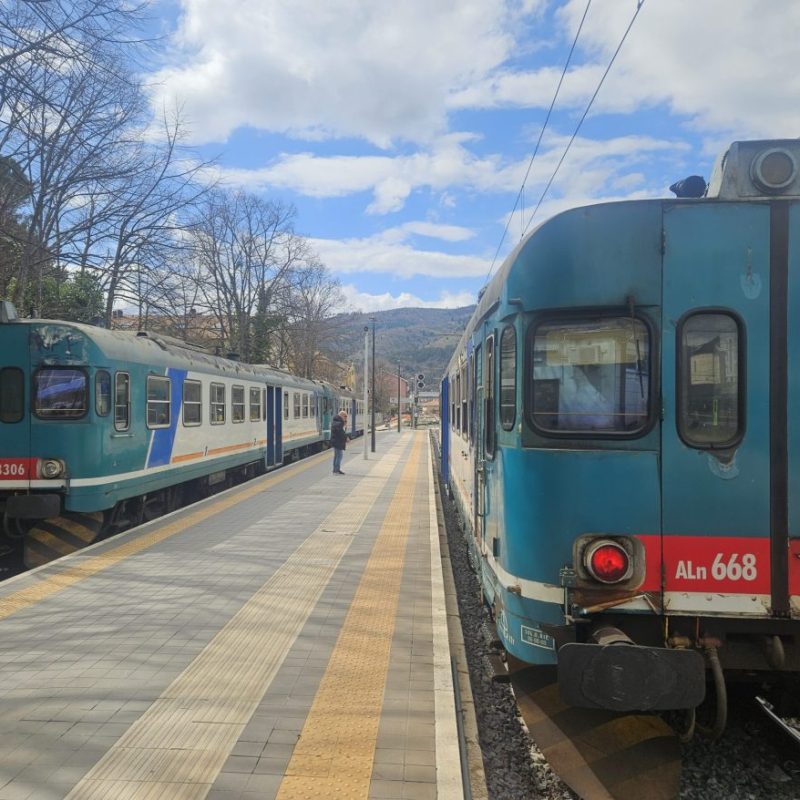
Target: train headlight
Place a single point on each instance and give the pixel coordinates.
(607, 561)
(774, 170)
(51, 468)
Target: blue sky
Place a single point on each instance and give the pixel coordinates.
(402, 131)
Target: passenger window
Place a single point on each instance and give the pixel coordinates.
(591, 377)
(296, 405)
(508, 378)
(158, 401)
(305, 405)
(60, 393)
(286, 405)
(255, 405)
(12, 394)
(217, 408)
(102, 393)
(464, 389)
(237, 404)
(192, 403)
(710, 390)
(122, 401)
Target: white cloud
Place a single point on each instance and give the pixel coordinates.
(365, 302)
(373, 69)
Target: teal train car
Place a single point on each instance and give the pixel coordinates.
(621, 434)
(104, 429)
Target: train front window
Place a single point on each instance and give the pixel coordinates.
(591, 377)
(60, 393)
(709, 380)
(12, 394)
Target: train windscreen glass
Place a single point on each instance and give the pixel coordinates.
(59, 393)
(591, 376)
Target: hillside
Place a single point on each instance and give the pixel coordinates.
(419, 340)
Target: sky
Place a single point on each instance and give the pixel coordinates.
(402, 132)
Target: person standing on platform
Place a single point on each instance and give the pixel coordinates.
(338, 440)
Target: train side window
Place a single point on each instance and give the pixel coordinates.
(296, 405)
(122, 401)
(158, 401)
(458, 401)
(255, 404)
(192, 403)
(217, 406)
(590, 377)
(490, 400)
(305, 405)
(710, 380)
(12, 394)
(312, 412)
(60, 393)
(102, 393)
(464, 391)
(237, 404)
(508, 378)
(286, 405)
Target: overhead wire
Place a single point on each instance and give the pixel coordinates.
(541, 134)
(639, 5)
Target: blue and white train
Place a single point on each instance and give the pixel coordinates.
(101, 429)
(621, 432)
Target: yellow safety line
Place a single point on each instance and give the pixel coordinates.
(178, 746)
(335, 753)
(51, 584)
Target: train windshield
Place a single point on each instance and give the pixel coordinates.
(59, 393)
(591, 376)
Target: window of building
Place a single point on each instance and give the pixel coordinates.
(508, 378)
(12, 394)
(710, 384)
(591, 377)
(192, 403)
(237, 404)
(217, 404)
(102, 393)
(60, 393)
(255, 404)
(158, 401)
(122, 401)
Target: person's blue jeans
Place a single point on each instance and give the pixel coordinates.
(337, 458)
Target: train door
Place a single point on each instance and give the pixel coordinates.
(277, 410)
(270, 409)
(719, 475)
(354, 418)
(444, 427)
(480, 454)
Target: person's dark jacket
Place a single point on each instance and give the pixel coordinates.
(338, 436)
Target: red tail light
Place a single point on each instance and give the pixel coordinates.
(607, 561)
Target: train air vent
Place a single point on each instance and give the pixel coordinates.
(764, 168)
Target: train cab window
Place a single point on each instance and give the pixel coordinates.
(490, 401)
(192, 403)
(158, 401)
(591, 377)
(237, 404)
(12, 394)
(508, 378)
(286, 405)
(60, 393)
(102, 393)
(710, 385)
(217, 405)
(255, 405)
(122, 401)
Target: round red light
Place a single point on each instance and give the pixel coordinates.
(609, 563)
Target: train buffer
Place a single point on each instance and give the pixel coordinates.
(283, 639)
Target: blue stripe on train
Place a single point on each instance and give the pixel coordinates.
(163, 438)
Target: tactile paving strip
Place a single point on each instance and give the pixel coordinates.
(335, 753)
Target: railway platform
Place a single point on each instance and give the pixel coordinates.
(287, 638)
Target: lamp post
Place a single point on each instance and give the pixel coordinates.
(399, 402)
(366, 378)
(372, 417)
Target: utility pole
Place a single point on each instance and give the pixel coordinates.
(373, 384)
(399, 401)
(366, 383)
